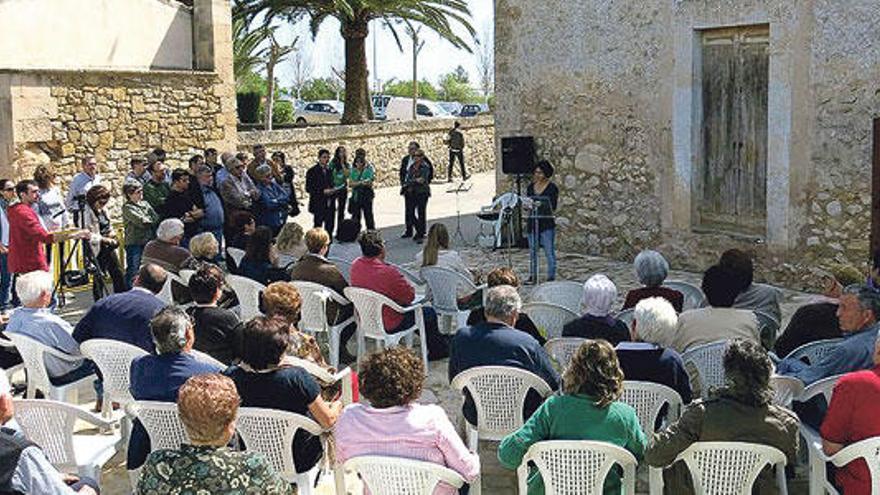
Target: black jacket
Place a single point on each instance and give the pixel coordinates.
(404, 162)
(318, 178)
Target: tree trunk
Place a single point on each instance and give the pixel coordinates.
(270, 98)
(354, 32)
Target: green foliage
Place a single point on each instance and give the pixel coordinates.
(248, 51)
(427, 90)
(283, 111)
(252, 82)
(319, 89)
(460, 75)
(453, 88)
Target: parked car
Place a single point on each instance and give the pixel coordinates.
(400, 108)
(471, 110)
(453, 107)
(319, 112)
(380, 103)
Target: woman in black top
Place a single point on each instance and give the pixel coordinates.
(339, 170)
(544, 196)
(103, 242)
(288, 175)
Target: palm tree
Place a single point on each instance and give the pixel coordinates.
(354, 17)
(247, 50)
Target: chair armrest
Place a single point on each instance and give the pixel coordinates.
(94, 419)
(60, 355)
(849, 453)
(344, 376)
(416, 304)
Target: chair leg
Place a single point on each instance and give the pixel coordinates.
(339, 480)
(817, 474)
(334, 347)
(473, 439)
(780, 479)
(361, 348)
(423, 340)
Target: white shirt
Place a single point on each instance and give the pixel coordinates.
(79, 186)
(51, 211)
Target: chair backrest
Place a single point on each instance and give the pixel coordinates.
(185, 275)
(576, 467)
(248, 293)
(499, 393)
(165, 295)
(728, 467)
(49, 424)
(344, 267)
(368, 307)
(768, 328)
(867, 449)
(707, 361)
(785, 389)
(561, 349)
(32, 354)
(162, 423)
(444, 284)
(549, 317)
(236, 254)
(814, 351)
(626, 316)
(647, 399)
(270, 432)
(824, 387)
(693, 295)
(394, 475)
(114, 359)
(313, 312)
(563, 293)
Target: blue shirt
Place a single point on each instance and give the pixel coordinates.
(647, 362)
(124, 317)
(213, 219)
(854, 353)
(272, 204)
(49, 329)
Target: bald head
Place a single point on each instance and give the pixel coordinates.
(151, 277)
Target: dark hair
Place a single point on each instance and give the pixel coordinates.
(747, 370)
(371, 243)
(338, 152)
(239, 219)
(160, 154)
(322, 152)
(210, 151)
(23, 185)
(3, 183)
(457, 124)
(43, 175)
(360, 152)
(257, 248)
(195, 159)
(97, 193)
(131, 187)
(203, 284)
(281, 155)
(721, 286)
(391, 377)
(258, 146)
(502, 276)
(545, 167)
(178, 174)
(264, 341)
(152, 277)
(137, 159)
(740, 264)
(348, 230)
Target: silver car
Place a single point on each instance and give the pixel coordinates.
(319, 112)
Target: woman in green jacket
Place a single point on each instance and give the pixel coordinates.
(587, 410)
(139, 219)
(361, 181)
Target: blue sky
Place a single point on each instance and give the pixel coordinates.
(436, 58)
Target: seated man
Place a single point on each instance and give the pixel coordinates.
(496, 343)
(371, 272)
(314, 267)
(217, 330)
(720, 321)
(165, 249)
(126, 316)
(752, 296)
(35, 320)
(852, 417)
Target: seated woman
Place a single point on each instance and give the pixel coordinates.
(651, 269)
(217, 329)
(263, 380)
(346, 247)
(282, 301)
(506, 276)
(165, 249)
(204, 249)
(437, 253)
(290, 244)
(242, 226)
(742, 412)
(395, 425)
(260, 261)
(207, 406)
(597, 322)
(587, 410)
(158, 377)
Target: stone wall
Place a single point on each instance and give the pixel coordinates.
(385, 144)
(608, 89)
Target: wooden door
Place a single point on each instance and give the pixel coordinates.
(733, 172)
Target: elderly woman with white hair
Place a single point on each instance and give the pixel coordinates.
(651, 269)
(597, 322)
(165, 249)
(648, 357)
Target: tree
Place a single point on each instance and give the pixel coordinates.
(354, 17)
(417, 45)
(248, 51)
(277, 54)
(404, 89)
(318, 89)
(452, 88)
(461, 75)
(486, 61)
(302, 70)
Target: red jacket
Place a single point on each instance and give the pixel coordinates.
(378, 276)
(27, 239)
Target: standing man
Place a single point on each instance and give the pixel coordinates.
(455, 141)
(319, 185)
(405, 164)
(80, 185)
(7, 194)
(213, 220)
(138, 170)
(417, 190)
(195, 187)
(156, 189)
(180, 204)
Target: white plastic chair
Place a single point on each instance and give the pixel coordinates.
(693, 295)
(185, 275)
(166, 295)
(562, 349)
(648, 399)
(314, 314)
(626, 316)
(270, 432)
(576, 467)
(50, 424)
(33, 354)
(785, 389)
(705, 365)
(395, 475)
(162, 423)
(504, 206)
(814, 351)
(444, 284)
(368, 310)
(236, 254)
(344, 267)
(114, 359)
(729, 468)
(248, 293)
(563, 293)
(867, 449)
(343, 376)
(499, 393)
(550, 318)
(768, 328)
(813, 440)
(10, 346)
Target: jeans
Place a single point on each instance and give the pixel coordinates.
(5, 283)
(133, 255)
(453, 154)
(547, 240)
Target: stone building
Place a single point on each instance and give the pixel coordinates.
(113, 79)
(697, 125)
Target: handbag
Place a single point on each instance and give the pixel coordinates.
(75, 278)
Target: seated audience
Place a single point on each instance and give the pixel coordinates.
(817, 320)
(217, 330)
(203, 248)
(647, 358)
(852, 417)
(600, 293)
(207, 406)
(506, 276)
(742, 412)
(752, 296)
(158, 377)
(651, 269)
(126, 316)
(282, 301)
(719, 321)
(395, 424)
(437, 253)
(260, 261)
(165, 249)
(242, 227)
(272, 204)
(370, 271)
(290, 244)
(588, 409)
(346, 247)
(495, 343)
(263, 381)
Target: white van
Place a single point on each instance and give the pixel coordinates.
(400, 108)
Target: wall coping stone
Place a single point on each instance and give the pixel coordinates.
(113, 72)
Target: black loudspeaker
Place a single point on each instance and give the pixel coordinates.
(517, 155)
